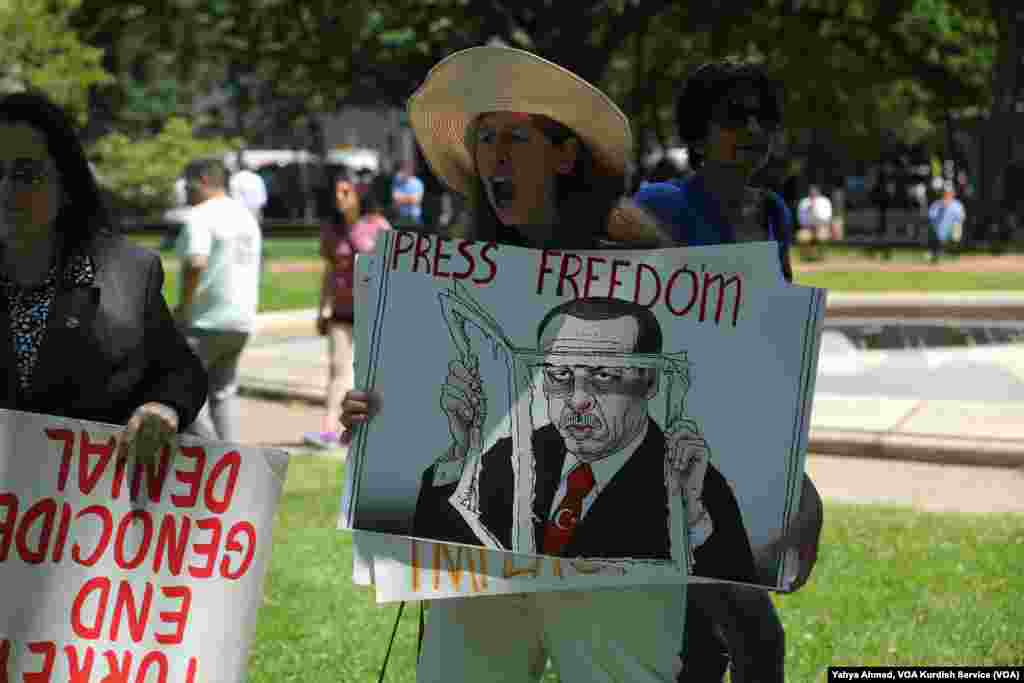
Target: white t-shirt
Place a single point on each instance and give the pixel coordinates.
(248, 187)
(814, 211)
(227, 234)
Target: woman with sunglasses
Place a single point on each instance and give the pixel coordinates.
(87, 332)
(729, 115)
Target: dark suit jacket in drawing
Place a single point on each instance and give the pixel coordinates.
(108, 348)
(629, 518)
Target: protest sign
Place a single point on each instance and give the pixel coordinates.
(113, 571)
(681, 377)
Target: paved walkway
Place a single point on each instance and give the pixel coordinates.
(961, 405)
(921, 485)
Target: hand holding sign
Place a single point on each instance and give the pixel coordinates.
(463, 401)
(151, 427)
(357, 407)
(686, 461)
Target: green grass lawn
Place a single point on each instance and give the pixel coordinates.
(910, 281)
(275, 248)
(289, 290)
(892, 586)
(278, 291)
(909, 255)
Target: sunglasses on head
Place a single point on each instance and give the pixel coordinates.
(732, 114)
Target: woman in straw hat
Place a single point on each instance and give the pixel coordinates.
(567, 148)
(541, 156)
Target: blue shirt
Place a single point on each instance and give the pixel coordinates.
(945, 217)
(696, 220)
(411, 185)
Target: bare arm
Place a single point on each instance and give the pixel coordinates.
(192, 270)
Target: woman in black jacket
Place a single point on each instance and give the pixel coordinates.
(86, 331)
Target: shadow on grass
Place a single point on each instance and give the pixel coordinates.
(892, 586)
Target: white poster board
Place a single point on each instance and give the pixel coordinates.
(734, 368)
(109, 571)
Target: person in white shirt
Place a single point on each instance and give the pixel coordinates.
(248, 187)
(814, 214)
(219, 247)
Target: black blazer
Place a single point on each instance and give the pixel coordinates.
(108, 348)
(629, 519)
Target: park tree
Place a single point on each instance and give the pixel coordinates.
(140, 171)
(1002, 142)
(142, 132)
(859, 75)
(40, 50)
(254, 64)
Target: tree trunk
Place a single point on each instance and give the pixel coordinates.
(1003, 142)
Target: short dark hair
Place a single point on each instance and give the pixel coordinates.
(211, 170)
(607, 308)
(706, 87)
(83, 214)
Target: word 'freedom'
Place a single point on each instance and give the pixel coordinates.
(683, 291)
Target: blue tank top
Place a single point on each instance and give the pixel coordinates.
(695, 219)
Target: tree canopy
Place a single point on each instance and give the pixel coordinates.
(40, 50)
(858, 73)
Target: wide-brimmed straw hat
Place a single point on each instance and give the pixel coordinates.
(489, 78)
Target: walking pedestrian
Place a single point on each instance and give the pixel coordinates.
(219, 247)
(341, 242)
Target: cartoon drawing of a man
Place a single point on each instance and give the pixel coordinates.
(604, 467)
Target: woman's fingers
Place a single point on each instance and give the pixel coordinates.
(151, 427)
(356, 408)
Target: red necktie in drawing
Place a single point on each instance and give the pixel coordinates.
(563, 522)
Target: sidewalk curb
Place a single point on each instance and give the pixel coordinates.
(1002, 306)
(947, 450)
(950, 450)
(276, 391)
(886, 445)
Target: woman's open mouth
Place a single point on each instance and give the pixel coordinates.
(502, 190)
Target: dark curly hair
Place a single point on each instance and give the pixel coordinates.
(706, 87)
(83, 214)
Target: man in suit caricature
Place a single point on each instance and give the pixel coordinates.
(603, 471)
